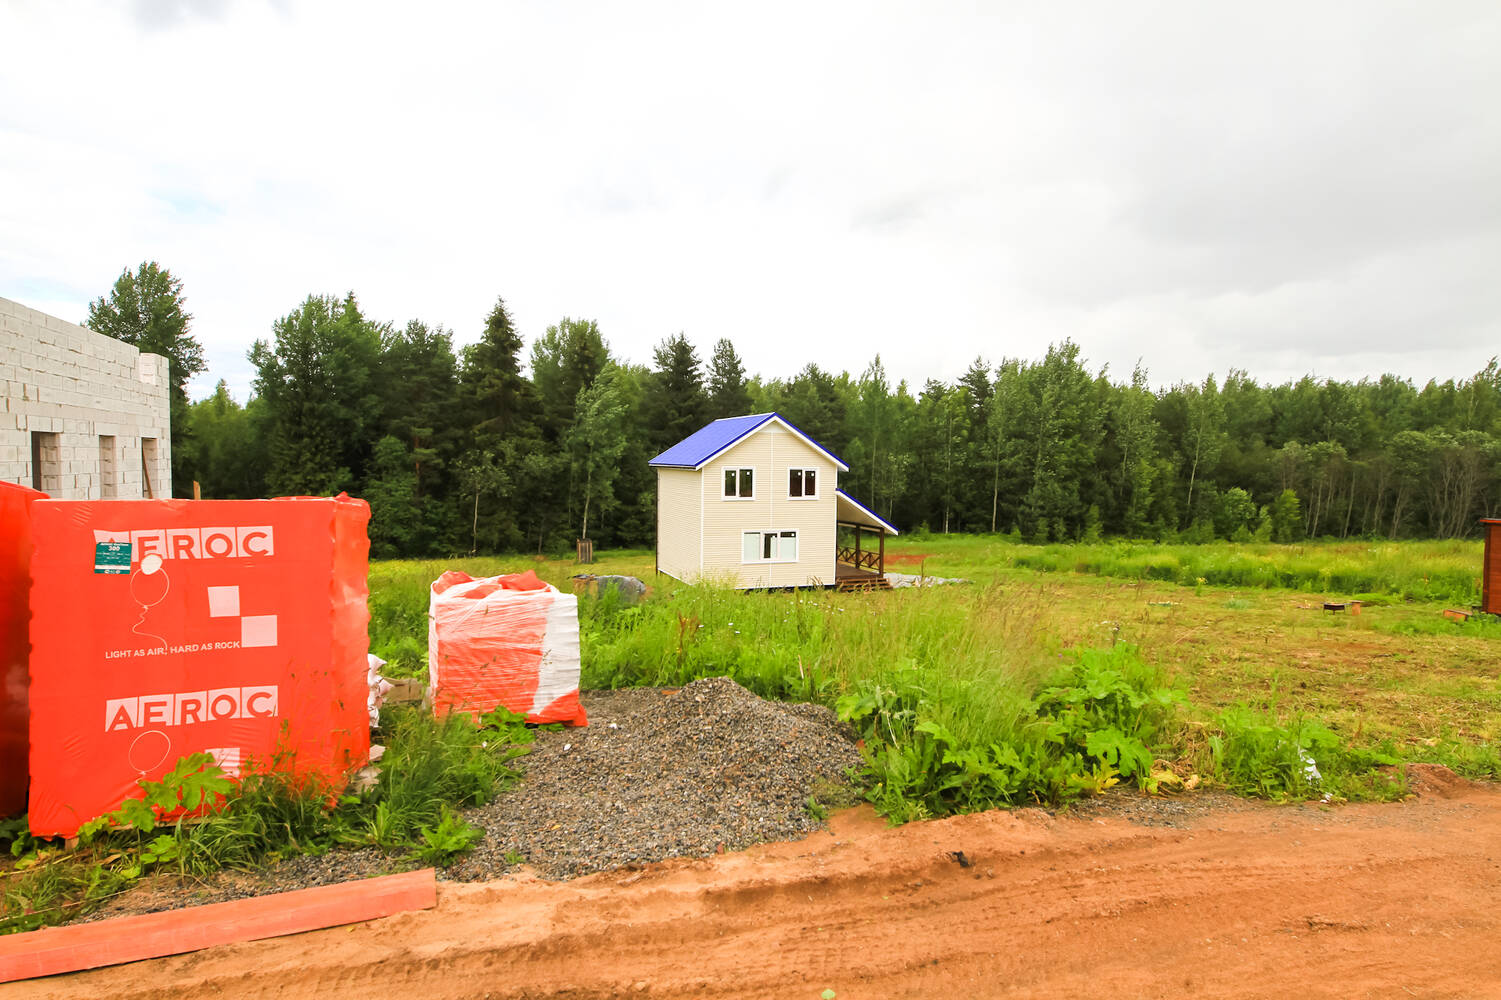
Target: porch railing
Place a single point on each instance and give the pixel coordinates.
(864, 559)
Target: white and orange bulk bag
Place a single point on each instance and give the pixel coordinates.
(509, 641)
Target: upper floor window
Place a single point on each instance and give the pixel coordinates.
(802, 483)
(739, 483)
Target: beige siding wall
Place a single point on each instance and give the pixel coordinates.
(771, 451)
(678, 495)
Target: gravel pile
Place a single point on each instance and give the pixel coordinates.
(659, 774)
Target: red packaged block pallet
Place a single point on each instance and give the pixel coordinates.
(162, 628)
(508, 641)
(15, 586)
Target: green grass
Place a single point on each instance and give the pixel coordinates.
(1058, 672)
(1438, 571)
(430, 769)
(1237, 627)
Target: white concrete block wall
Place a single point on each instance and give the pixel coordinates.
(64, 380)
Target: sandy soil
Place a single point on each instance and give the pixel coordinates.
(1227, 899)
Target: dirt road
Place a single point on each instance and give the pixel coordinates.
(1233, 900)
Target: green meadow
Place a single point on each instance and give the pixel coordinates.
(1056, 672)
(1061, 670)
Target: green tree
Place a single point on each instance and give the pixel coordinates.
(1061, 426)
(510, 479)
(595, 442)
(942, 437)
(418, 386)
(976, 496)
(564, 360)
(1007, 397)
(483, 474)
(1326, 466)
(395, 519)
(1286, 517)
(146, 309)
(317, 381)
(871, 419)
(1204, 434)
(676, 398)
(813, 402)
(1136, 440)
(728, 392)
(1236, 514)
(492, 388)
(229, 451)
(420, 378)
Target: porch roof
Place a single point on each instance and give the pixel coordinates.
(848, 510)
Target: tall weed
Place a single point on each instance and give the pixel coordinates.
(1092, 724)
(1254, 754)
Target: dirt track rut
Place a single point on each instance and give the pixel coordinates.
(1382, 901)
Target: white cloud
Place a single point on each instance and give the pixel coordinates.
(1283, 188)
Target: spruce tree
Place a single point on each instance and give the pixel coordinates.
(146, 309)
(677, 402)
(728, 393)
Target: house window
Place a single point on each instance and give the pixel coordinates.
(768, 546)
(107, 480)
(802, 483)
(739, 484)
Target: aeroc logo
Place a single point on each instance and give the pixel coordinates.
(152, 710)
(256, 541)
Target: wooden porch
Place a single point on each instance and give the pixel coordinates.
(862, 565)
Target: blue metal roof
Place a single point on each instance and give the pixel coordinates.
(706, 442)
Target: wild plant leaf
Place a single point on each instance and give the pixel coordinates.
(936, 731)
(162, 849)
(854, 707)
(1007, 756)
(1125, 753)
(136, 813)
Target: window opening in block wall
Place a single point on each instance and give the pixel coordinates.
(108, 482)
(148, 462)
(46, 463)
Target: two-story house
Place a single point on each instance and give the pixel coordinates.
(754, 502)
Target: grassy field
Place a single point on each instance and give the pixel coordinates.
(1411, 570)
(1237, 630)
(1055, 672)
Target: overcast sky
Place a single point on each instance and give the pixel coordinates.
(1282, 187)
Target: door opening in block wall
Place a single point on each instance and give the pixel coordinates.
(46, 463)
(108, 482)
(148, 462)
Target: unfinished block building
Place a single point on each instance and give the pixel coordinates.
(84, 416)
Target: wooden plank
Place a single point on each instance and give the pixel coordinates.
(1490, 589)
(55, 950)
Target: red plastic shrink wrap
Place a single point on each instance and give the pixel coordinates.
(15, 585)
(161, 628)
(504, 640)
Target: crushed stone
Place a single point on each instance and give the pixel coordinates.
(662, 773)
(658, 773)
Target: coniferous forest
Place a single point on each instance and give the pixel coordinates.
(506, 446)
